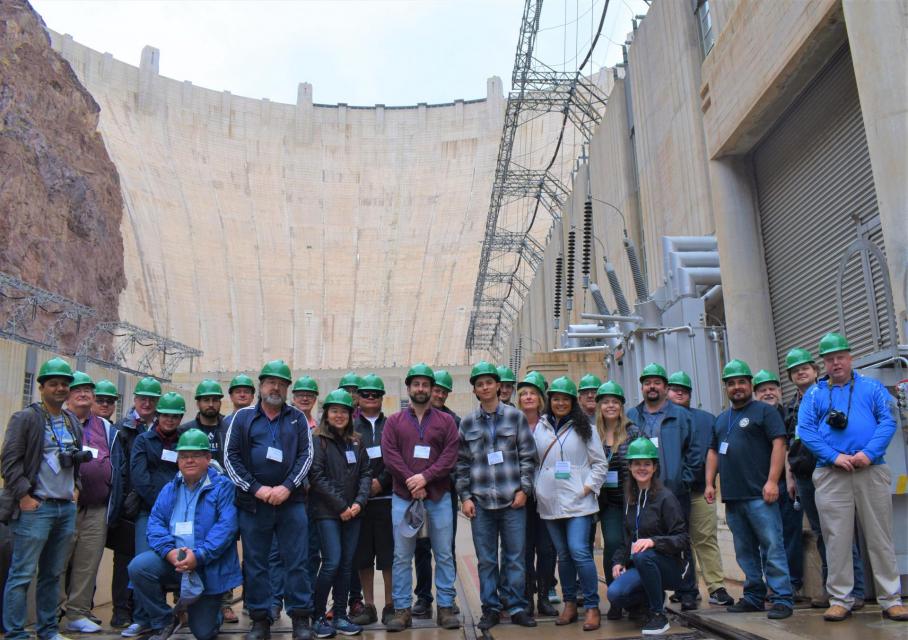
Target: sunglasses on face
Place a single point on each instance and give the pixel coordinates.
(100, 400)
(370, 395)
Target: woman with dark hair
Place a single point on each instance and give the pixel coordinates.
(340, 479)
(655, 537)
(571, 470)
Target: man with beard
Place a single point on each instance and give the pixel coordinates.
(419, 448)
(269, 452)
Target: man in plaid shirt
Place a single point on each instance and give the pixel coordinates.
(495, 465)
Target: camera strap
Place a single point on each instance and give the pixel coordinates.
(850, 392)
(53, 432)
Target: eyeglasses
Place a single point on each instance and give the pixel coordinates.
(192, 455)
(370, 395)
(103, 400)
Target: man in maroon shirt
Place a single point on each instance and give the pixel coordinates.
(419, 447)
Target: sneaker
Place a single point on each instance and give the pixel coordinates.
(656, 624)
(688, 602)
(323, 629)
(135, 630)
(858, 604)
(422, 609)
(720, 596)
(82, 625)
(553, 597)
(743, 606)
(799, 597)
(163, 634)
(523, 619)
(120, 620)
(57, 636)
(368, 615)
(344, 626)
(356, 608)
(779, 612)
(94, 618)
(488, 620)
(387, 613)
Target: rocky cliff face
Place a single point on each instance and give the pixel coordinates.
(60, 200)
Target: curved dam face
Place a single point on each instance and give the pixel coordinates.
(332, 236)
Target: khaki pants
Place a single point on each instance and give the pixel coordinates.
(87, 549)
(703, 538)
(838, 494)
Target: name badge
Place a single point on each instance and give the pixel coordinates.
(421, 451)
(351, 457)
(169, 455)
(92, 450)
(562, 469)
(655, 442)
(182, 528)
(611, 479)
(723, 448)
(275, 454)
(52, 461)
(374, 452)
(495, 457)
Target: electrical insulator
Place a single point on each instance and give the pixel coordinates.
(559, 270)
(569, 293)
(587, 241)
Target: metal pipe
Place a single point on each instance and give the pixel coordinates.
(595, 335)
(611, 317)
(600, 347)
(662, 332)
(901, 359)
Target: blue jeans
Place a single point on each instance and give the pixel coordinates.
(792, 525)
(150, 574)
(289, 523)
(571, 537)
(646, 581)
(508, 525)
(757, 526)
(611, 519)
(339, 541)
(276, 574)
(423, 590)
(807, 493)
(441, 533)
(138, 613)
(41, 542)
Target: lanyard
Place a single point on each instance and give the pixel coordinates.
(53, 428)
(850, 391)
(191, 496)
(566, 433)
(639, 509)
(493, 428)
(274, 426)
(731, 415)
(419, 427)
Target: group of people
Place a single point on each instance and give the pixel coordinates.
(320, 503)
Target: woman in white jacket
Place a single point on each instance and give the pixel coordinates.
(571, 471)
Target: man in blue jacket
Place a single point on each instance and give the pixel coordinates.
(192, 527)
(681, 453)
(846, 421)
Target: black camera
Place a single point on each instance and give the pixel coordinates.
(70, 455)
(837, 419)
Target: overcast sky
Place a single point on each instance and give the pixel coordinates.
(360, 52)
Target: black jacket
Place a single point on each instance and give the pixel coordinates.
(614, 496)
(661, 519)
(336, 484)
(220, 431)
(376, 465)
(148, 470)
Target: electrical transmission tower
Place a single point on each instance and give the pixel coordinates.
(128, 337)
(27, 300)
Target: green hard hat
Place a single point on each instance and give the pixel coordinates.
(796, 357)
(506, 374)
(832, 342)
(589, 381)
(306, 383)
(680, 379)
(340, 397)
(610, 388)
(55, 368)
(276, 369)
(193, 440)
(736, 369)
(81, 379)
(148, 386)
(106, 388)
(653, 370)
(208, 387)
(642, 449)
(483, 368)
(172, 403)
(444, 380)
(563, 385)
(241, 380)
(534, 379)
(349, 380)
(762, 376)
(371, 382)
(420, 370)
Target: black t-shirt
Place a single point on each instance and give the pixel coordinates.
(749, 432)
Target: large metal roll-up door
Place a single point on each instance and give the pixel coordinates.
(816, 196)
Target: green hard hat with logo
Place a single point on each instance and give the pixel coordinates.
(208, 388)
(534, 379)
(371, 382)
(148, 387)
(55, 368)
(193, 440)
(106, 388)
(340, 397)
(763, 376)
(563, 385)
(350, 379)
(589, 381)
(172, 403)
(832, 343)
(506, 374)
(81, 379)
(610, 388)
(483, 368)
(796, 357)
(653, 370)
(444, 380)
(680, 379)
(241, 380)
(306, 383)
(276, 369)
(736, 369)
(420, 370)
(642, 449)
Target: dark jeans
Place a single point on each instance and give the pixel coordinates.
(423, 558)
(792, 525)
(338, 540)
(288, 521)
(508, 526)
(540, 554)
(689, 577)
(645, 581)
(755, 526)
(571, 537)
(611, 519)
(122, 540)
(276, 575)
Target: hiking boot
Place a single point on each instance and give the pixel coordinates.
(568, 614)
(387, 613)
(488, 620)
(261, 630)
(422, 610)
(367, 616)
(897, 612)
(446, 618)
(836, 613)
(402, 619)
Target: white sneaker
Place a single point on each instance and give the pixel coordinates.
(58, 636)
(135, 630)
(83, 625)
